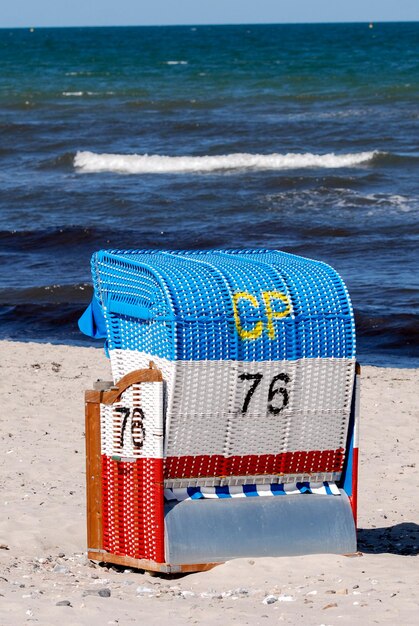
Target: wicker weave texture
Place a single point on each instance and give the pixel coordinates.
(133, 426)
(133, 514)
(204, 404)
(287, 465)
(221, 305)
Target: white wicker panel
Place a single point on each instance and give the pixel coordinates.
(126, 361)
(320, 404)
(261, 408)
(106, 427)
(199, 407)
(239, 408)
(295, 406)
(133, 426)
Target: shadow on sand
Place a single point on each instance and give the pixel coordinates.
(399, 539)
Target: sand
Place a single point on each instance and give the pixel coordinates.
(45, 577)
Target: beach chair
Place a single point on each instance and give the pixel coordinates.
(229, 429)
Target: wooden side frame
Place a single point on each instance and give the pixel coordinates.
(95, 551)
(151, 566)
(93, 471)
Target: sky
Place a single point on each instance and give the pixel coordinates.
(33, 13)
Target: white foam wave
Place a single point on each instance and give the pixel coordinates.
(322, 197)
(176, 63)
(78, 94)
(81, 73)
(156, 164)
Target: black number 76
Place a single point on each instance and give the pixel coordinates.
(137, 426)
(273, 391)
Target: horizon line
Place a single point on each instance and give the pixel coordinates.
(192, 25)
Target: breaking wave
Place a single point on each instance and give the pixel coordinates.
(155, 164)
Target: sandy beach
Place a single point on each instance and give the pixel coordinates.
(45, 577)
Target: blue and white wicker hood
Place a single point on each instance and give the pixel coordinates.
(248, 305)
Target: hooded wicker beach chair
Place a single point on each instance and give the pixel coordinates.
(229, 429)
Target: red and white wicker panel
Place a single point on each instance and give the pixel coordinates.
(262, 419)
(132, 473)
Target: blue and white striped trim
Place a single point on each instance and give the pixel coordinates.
(246, 491)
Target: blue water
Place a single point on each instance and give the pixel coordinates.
(131, 138)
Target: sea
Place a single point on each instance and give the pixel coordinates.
(303, 138)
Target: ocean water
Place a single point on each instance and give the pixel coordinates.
(303, 138)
